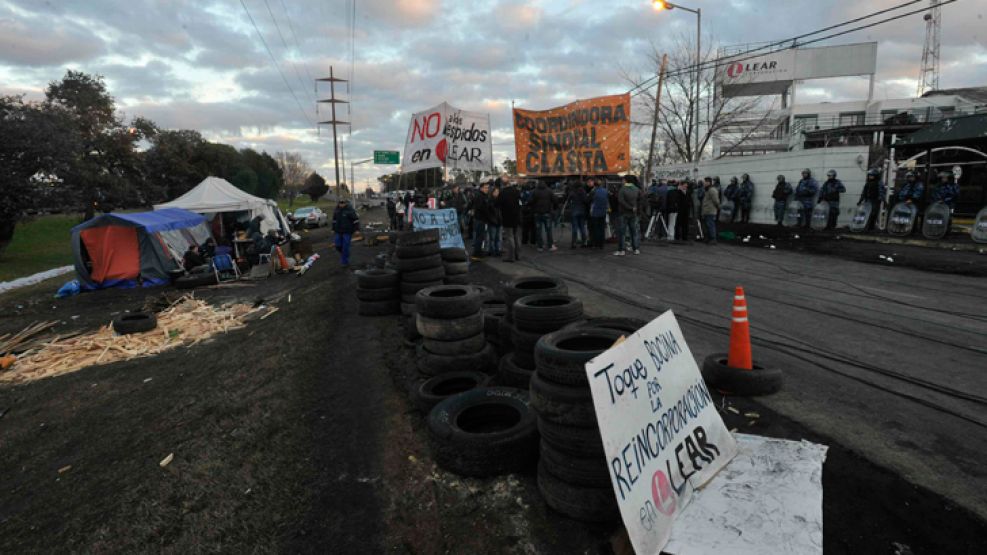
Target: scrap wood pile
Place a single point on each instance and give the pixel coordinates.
(186, 322)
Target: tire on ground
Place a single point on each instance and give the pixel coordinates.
(454, 254)
(430, 364)
(522, 287)
(625, 325)
(561, 356)
(422, 263)
(458, 347)
(546, 312)
(417, 251)
(447, 301)
(412, 287)
(450, 329)
(423, 237)
(135, 322)
(578, 441)
(376, 278)
(484, 432)
(578, 502)
(409, 309)
(740, 381)
(434, 390)
(428, 274)
(456, 268)
(525, 341)
(562, 404)
(512, 375)
(588, 471)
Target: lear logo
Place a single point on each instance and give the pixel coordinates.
(662, 493)
(737, 69)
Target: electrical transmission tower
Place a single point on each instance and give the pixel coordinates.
(928, 78)
(332, 101)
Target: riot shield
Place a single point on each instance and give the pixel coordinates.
(820, 216)
(859, 222)
(979, 229)
(901, 221)
(792, 214)
(726, 211)
(935, 225)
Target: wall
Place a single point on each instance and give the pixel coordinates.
(765, 168)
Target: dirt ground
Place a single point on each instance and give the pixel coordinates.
(295, 435)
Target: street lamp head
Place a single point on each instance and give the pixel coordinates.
(660, 5)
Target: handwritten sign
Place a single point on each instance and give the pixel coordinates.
(662, 436)
(445, 220)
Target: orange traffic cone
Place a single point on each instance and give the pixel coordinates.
(740, 334)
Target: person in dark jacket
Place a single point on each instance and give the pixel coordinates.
(873, 193)
(730, 193)
(830, 192)
(456, 199)
(509, 203)
(577, 207)
(947, 191)
(193, 258)
(481, 218)
(783, 190)
(345, 222)
(679, 212)
(543, 204)
(805, 194)
(599, 203)
(494, 226)
(392, 213)
(745, 198)
(528, 231)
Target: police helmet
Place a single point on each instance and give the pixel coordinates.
(807, 171)
(780, 177)
(873, 172)
(831, 174)
(910, 174)
(745, 177)
(733, 179)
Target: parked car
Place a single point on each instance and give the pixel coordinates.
(310, 216)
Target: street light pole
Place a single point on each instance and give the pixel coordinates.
(660, 5)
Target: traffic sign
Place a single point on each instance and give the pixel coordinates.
(387, 157)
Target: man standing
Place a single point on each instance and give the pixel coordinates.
(392, 213)
(577, 207)
(745, 198)
(598, 205)
(783, 190)
(493, 225)
(873, 193)
(830, 192)
(528, 231)
(676, 202)
(730, 193)
(345, 222)
(913, 191)
(805, 194)
(481, 218)
(509, 202)
(457, 200)
(947, 191)
(543, 204)
(711, 205)
(629, 203)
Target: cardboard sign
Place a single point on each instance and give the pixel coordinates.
(586, 137)
(448, 137)
(445, 220)
(662, 436)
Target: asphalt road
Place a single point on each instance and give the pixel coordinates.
(889, 362)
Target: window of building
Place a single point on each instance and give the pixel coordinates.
(806, 122)
(851, 118)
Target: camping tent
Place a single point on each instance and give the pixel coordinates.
(216, 196)
(126, 250)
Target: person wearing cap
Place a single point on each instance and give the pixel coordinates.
(345, 222)
(947, 191)
(710, 206)
(745, 198)
(873, 193)
(830, 192)
(805, 194)
(730, 193)
(783, 190)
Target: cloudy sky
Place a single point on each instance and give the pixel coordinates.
(201, 64)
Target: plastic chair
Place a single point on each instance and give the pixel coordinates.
(222, 264)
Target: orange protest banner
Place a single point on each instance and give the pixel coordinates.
(586, 137)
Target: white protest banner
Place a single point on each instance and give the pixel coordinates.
(445, 220)
(445, 136)
(661, 433)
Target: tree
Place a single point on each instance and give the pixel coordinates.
(246, 180)
(315, 187)
(294, 169)
(38, 144)
(677, 115)
(510, 166)
(172, 165)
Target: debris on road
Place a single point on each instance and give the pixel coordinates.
(187, 322)
(167, 460)
(65, 469)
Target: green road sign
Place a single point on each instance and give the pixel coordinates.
(387, 157)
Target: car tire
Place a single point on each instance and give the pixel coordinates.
(578, 502)
(435, 390)
(454, 254)
(378, 308)
(546, 313)
(135, 322)
(412, 287)
(740, 381)
(415, 238)
(411, 252)
(588, 471)
(466, 346)
(491, 321)
(512, 375)
(428, 274)
(522, 287)
(377, 278)
(456, 268)
(433, 365)
(627, 326)
(484, 432)
(409, 309)
(406, 265)
(562, 404)
(450, 329)
(447, 301)
(377, 294)
(505, 330)
(525, 341)
(577, 441)
(562, 356)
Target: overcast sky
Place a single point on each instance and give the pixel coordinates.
(200, 64)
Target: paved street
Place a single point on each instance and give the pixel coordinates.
(887, 361)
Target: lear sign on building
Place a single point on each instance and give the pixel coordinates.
(773, 73)
(661, 433)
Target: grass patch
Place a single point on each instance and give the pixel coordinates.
(326, 205)
(39, 244)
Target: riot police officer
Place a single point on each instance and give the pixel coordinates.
(783, 190)
(873, 193)
(805, 194)
(830, 192)
(745, 198)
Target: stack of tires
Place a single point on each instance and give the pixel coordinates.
(457, 266)
(535, 316)
(494, 311)
(572, 470)
(417, 258)
(513, 291)
(451, 325)
(378, 293)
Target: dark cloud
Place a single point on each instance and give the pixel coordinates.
(30, 41)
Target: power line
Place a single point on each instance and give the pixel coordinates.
(794, 42)
(287, 50)
(275, 62)
(294, 34)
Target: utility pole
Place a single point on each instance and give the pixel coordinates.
(332, 101)
(654, 122)
(928, 78)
